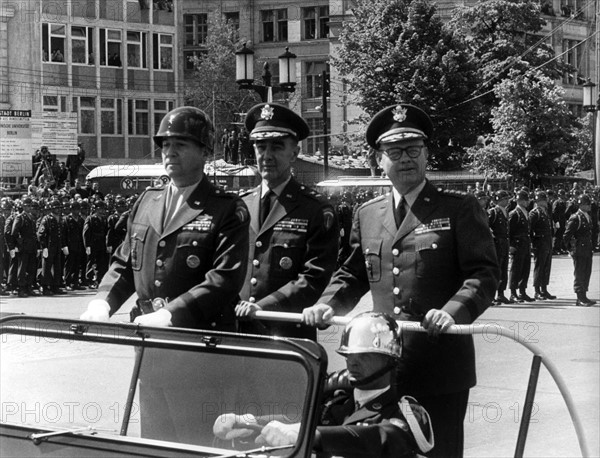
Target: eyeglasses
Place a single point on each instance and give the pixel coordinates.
(395, 154)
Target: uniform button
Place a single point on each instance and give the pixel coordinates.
(258, 244)
(253, 281)
(396, 290)
(366, 250)
(434, 245)
(397, 310)
(252, 299)
(162, 244)
(395, 252)
(159, 263)
(157, 283)
(255, 262)
(194, 243)
(395, 271)
(285, 245)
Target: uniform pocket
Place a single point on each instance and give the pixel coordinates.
(136, 241)
(286, 258)
(432, 249)
(372, 253)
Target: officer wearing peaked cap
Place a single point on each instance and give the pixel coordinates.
(185, 251)
(293, 230)
(427, 255)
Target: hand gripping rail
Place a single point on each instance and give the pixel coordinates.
(473, 329)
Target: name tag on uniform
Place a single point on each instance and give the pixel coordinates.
(440, 224)
(292, 225)
(202, 224)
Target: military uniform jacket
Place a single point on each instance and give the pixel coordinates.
(518, 228)
(559, 209)
(498, 222)
(74, 233)
(578, 235)
(197, 262)
(378, 429)
(50, 234)
(94, 232)
(540, 224)
(24, 233)
(115, 233)
(7, 229)
(441, 257)
(292, 256)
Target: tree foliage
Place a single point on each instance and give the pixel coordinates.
(532, 125)
(400, 51)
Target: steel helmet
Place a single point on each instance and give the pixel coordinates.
(187, 122)
(371, 332)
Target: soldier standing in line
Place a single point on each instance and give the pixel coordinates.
(52, 242)
(4, 258)
(498, 221)
(520, 248)
(293, 230)
(23, 233)
(11, 249)
(115, 233)
(578, 241)
(559, 212)
(541, 229)
(73, 225)
(94, 239)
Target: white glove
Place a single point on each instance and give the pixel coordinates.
(161, 317)
(12, 253)
(88, 250)
(65, 250)
(276, 434)
(98, 310)
(109, 249)
(223, 427)
(45, 253)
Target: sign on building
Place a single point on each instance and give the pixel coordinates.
(15, 143)
(56, 130)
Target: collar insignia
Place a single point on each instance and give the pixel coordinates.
(267, 112)
(399, 113)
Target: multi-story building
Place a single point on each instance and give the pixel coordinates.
(121, 64)
(113, 62)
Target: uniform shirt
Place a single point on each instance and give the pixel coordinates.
(540, 224)
(291, 257)
(50, 234)
(441, 257)
(518, 224)
(578, 234)
(197, 262)
(498, 221)
(24, 233)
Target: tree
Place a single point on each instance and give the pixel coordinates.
(583, 156)
(532, 126)
(399, 51)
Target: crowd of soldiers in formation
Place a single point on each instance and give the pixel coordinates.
(61, 240)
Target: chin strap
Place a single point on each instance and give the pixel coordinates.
(374, 376)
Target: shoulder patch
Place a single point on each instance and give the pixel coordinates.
(241, 212)
(328, 218)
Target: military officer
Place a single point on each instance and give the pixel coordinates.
(94, 239)
(73, 225)
(541, 231)
(520, 248)
(52, 241)
(363, 415)
(293, 230)
(578, 241)
(498, 221)
(186, 247)
(11, 249)
(559, 211)
(23, 233)
(427, 255)
(115, 233)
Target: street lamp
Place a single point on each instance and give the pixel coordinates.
(590, 104)
(244, 70)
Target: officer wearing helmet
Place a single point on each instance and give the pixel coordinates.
(23, 233)
(52, 241)
(498, 221)
(362, 414)
(75, 253)
(541, 230)
(186, 247)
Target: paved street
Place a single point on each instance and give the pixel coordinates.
(569, 336)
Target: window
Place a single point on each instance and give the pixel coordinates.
(82, 45)
(572, 9)
(313, 75)
(111, 116)
(196, 29)
(162, 51)
(313, 143)
(573, 57)
(137, 111)
(54, 103)
(315, 22)
(189, 63)
(274, 25)
(233, 20)
(161, 108)
(110, 48)
(136, 50)
(53, 43)
(85, 107)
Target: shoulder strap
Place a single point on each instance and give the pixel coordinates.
(423, 443)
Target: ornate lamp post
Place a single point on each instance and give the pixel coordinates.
(591, 105)
(244, 64)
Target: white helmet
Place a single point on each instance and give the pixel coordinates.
(371, 332)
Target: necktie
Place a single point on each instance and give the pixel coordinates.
(171, 205)
(400, 212)
(265, 206)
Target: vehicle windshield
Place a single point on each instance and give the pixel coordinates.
(156, 390)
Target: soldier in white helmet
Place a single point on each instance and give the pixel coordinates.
(362, 414)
